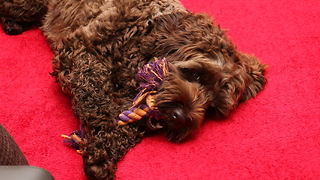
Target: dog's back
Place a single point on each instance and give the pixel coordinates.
(102, 19)
(112, 30)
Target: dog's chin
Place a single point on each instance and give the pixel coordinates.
(175, 133)
(178, 135)
(178, 132)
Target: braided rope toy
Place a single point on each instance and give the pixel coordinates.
(150, 77)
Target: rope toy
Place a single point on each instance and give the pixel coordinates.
(150, 77)
(74, 140)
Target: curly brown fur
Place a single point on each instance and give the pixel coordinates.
(18, 16)
(98, 48)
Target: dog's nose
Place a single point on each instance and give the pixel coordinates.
(178, 116)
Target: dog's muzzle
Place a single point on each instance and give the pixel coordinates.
(176, 117)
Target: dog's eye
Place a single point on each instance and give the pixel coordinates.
(191, 74)
(195, 77)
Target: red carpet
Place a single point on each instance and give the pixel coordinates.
(275, 136)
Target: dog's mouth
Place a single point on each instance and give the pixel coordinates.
(153, 124)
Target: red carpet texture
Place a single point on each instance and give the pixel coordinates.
(274, 136)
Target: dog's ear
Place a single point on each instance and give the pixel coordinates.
(239, 82)
(254, 75)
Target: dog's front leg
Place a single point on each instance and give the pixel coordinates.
(103, 148)
(97, 107)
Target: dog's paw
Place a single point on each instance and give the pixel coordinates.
(99, 172)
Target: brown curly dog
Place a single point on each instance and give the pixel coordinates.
(99, 45)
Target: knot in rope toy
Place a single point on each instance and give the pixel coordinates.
(74, 140)
(150, 77)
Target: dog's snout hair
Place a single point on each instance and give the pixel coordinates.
(188, 98)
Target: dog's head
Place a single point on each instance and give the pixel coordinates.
(206, 71)
(189, 89)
